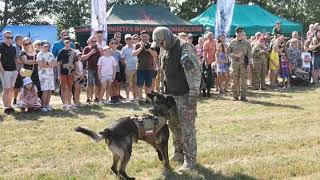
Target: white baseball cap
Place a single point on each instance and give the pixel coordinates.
(27, 81)
(127, 36)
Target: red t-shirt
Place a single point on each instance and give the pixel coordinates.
(209, 48)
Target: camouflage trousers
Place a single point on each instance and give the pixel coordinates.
(259, 73)
(184, 130)
(239, 75)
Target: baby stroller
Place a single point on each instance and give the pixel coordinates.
(299, 77)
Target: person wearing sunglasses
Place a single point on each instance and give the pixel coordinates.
(8, 70)
(91, 55)
(28, 57)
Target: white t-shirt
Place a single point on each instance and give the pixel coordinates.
(45, 57)
(306, 59)
(107, 64)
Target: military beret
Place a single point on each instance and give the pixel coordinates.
(239, 29)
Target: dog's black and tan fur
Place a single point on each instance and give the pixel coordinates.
(119, 139)
(120, 136)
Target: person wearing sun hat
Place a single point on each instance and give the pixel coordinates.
(29, 99)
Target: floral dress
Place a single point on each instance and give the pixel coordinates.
(46, 75)
(29, 98)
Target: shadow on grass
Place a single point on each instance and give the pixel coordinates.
(133, 106)
(274, 104)
(206, 173)
(59, 113)
(265, 94)
(212, 97)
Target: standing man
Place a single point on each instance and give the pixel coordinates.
(239, 52)
(130, 60)
(8, 70)
(182, 79)
(260, 56)
(91, 54)
(58, 45)
(209, 48)
(18, 85)
(145, 67)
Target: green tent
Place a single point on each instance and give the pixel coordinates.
(252, 18)
(135, 18)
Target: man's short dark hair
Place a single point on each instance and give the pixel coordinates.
(17, 37)
(143, 32)
(98, 31)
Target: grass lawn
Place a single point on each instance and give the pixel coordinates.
(276, 135)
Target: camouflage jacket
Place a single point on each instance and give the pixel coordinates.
(192, 68)
(260, 53)
(243, 47)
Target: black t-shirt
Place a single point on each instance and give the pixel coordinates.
(67, 57)
(8, 57)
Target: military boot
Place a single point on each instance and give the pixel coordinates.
(177, 156)
(188, 165)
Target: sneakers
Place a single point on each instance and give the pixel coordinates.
(67, 107)
(89, 101)
(235, 98)
(9, 110)
(96, 100)
(244, 99)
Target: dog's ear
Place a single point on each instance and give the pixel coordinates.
(106, 133)
(170, 101)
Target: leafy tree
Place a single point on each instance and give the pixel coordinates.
(23, 12)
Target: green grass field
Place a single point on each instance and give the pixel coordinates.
(276, 135)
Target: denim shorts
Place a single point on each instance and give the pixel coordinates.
(316, 62)
(144, 77)
(93, 79)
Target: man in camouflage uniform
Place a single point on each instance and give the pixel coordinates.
(182, 79)
(260, 56)
(239, 52)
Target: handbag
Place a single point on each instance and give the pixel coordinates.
(27, 72)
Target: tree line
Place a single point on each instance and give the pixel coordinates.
(71, 13)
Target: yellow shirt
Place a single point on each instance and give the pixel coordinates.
(274, 61)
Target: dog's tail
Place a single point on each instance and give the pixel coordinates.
(95, 136)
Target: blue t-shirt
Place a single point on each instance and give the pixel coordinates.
(57, 46)
(131, 60)
(117, 56)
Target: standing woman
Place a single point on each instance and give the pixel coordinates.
(28, 57)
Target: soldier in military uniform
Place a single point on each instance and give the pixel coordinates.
(260, 56)
(239, 52)
(182, 79)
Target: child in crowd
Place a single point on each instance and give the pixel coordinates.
(78, 78)
(274, 65)
(306, 61)
(46, 65)
(285, 71)
(29, 99)
(106, 72)
(222, 67)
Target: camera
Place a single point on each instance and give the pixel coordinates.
(147, 46)
(94, 46)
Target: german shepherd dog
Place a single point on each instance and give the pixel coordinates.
(120, 136)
